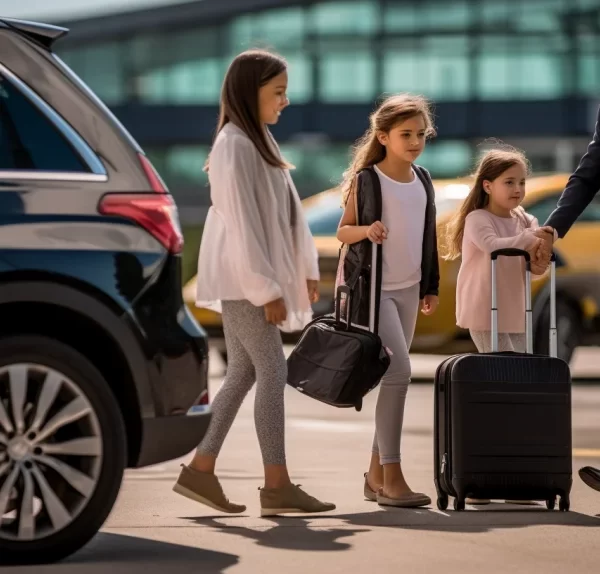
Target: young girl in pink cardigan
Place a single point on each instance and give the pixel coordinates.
(491, 218)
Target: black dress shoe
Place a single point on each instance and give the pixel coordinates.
(591, 476)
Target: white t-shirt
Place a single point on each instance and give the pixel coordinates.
(404, 207)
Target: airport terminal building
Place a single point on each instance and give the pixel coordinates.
(525, 71)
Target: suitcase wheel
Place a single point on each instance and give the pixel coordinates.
(459, 504)
(551, 503)
(442, 502)
(564, 504)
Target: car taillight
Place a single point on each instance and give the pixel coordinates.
(154, 179)
(155, 212)
(204, 398)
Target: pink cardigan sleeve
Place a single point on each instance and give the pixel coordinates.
(480, 231)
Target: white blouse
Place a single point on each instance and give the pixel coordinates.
(248, 250)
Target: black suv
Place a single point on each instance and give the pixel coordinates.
(102, 366)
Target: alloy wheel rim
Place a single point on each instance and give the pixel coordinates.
(50, 451)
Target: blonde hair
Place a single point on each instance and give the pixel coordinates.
(368, 150)
(492, 165)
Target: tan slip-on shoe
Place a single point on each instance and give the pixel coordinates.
(411, 500)
(204, 488)
(477, 501)
(290, 499)
(370, 494)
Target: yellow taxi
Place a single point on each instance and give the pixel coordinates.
(578, 271)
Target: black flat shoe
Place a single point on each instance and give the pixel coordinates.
(591, 476)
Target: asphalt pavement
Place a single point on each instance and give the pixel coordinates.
(153, 530)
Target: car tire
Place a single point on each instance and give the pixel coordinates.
(569, 329)
(92, 444)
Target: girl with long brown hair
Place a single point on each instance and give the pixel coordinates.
(490, 218)
(406, 230)
(258, 266)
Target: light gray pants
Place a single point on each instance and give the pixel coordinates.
(506, 341)
(397, 318)
(254, 353)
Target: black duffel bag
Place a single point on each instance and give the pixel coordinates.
(336, 362)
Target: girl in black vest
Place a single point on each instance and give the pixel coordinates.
(397, 212)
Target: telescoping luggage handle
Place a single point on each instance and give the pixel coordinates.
(345, 290)
(513, 252)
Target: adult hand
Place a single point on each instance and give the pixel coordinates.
(377, 232)
(313, 290)
(429, 304)
(538, 261)
(546, 234)
(540, 258)
(275, 312)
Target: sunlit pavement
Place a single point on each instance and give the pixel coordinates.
(153, 530)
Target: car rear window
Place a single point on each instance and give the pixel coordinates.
(28, 140)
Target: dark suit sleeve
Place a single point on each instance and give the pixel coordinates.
(581, 187)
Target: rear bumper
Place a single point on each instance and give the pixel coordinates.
(166, 438)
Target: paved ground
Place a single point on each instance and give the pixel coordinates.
(152, 530)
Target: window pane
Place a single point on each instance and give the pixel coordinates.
(28, 141)
(588, 65)
(300, 79)
(440, 14)
(401, 17)
(241, 33)
(329, 163)
(509, 67)
(346, 17)
(186, 83)
(277, 29)
(540, 15)
(589, 75)
(319, 166)
(433, 14)
(540, 75)
(447, 158)
(347, 77)
(446, 78)
(494, 12)
(437, 67)
(101, 68)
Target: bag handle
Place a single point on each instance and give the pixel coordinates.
(343, 289)
(513, 252)
(376, 257)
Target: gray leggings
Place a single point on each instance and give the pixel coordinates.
(397, 318)
(506, 341)
(254, 353)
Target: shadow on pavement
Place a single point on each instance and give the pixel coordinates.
(322, 533)
(116, 553)
(287, 534)
(493, 517)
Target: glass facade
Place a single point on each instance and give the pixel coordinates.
(349, 52)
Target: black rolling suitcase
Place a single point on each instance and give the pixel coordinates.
(335, 361)
(502, 421)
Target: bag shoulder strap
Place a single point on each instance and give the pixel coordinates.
(376, 255)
